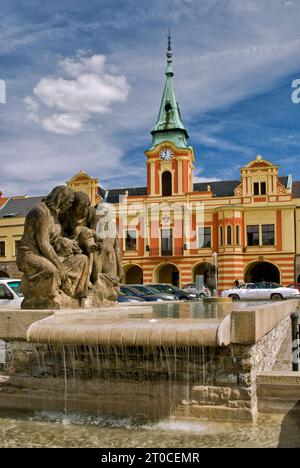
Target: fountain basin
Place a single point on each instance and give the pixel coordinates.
(203, 359)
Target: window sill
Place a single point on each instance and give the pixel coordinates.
(260, 247)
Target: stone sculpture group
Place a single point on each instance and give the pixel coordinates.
(69, 254)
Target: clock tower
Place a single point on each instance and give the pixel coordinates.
(170, 160)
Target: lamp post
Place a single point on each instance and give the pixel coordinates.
(215, 263)
(295, 341)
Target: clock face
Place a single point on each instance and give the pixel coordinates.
(166, 154)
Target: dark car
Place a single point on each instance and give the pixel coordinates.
(130, 290)
(179, 293)
(125, 298)
(150, 290)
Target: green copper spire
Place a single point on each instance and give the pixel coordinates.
(169, 125)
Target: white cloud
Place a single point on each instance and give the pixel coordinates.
(66, 124)
(74, 68)
(46, 163)
(90, 90)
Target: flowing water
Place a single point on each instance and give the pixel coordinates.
(48, 429)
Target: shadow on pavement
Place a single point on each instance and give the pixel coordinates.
(290, 429)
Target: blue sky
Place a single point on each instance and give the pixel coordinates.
(85, 78)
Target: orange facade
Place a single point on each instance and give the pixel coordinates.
(253, 236)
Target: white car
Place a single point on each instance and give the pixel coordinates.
(261, 291)
(11, 295)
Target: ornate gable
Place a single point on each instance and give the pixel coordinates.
(82, 182)
(260, 178)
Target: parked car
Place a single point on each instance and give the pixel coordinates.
(201, 292)
(130, 290)
(179, 293)
(261, 291)
(11, 295)
(124, 298)
(150, 290)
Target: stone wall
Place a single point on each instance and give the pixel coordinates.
(234, 393)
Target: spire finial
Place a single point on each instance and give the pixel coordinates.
(169, 71)
(169, 53)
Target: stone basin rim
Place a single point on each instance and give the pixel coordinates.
(84, 329)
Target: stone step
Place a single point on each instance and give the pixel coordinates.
(278, 392)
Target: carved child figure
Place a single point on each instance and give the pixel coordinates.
(79, 223)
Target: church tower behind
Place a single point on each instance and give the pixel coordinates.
(170, 160)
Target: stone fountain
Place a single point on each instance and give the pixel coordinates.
(72, 349)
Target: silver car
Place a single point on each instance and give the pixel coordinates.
(201, 292)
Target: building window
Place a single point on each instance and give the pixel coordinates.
(229, 235)
(237, 235)
(221, 235)
(2, 248)
(130, 243)
(252, 235)
(17, 243)
(204, 238)
(166, 184)
(260, 188)
(268, 234)
(167, 242)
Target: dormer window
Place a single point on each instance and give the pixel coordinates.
(263, 188)
(259, 188)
